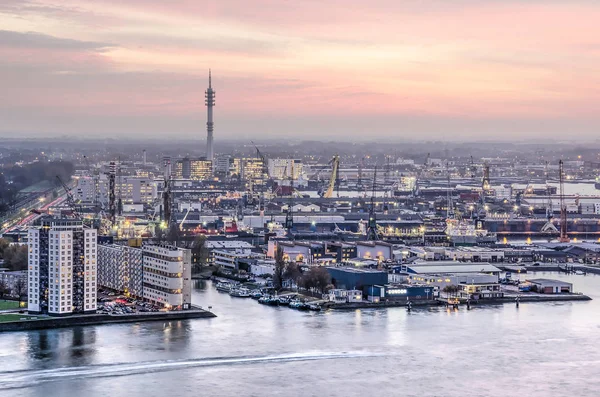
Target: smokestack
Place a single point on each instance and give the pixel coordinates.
(144, 157)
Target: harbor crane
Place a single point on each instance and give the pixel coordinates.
(564, 238)
(372, 232)
(75, 210)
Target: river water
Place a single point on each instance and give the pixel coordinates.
(256, 350)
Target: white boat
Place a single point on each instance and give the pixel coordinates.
(240, 292)
(223, 286)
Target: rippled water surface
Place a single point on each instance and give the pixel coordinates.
(255, 350)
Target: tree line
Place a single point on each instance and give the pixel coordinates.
(14, 256)
(18, 177)
(315, 279)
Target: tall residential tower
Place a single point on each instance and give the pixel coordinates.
(209, 96)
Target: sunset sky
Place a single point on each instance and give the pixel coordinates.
(351, 69)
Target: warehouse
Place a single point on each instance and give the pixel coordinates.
(450, 267)
(355, 278)
(548, 286)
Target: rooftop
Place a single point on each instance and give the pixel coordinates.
(452, 267)
(549, 282)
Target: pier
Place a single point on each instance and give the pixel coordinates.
(47, 322)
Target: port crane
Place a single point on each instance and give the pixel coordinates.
(75, 209)
(372, 231)
(333, 179)
(564, 238)
(549, 225)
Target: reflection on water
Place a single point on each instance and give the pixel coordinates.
(251, 349)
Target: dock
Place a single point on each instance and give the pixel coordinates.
(47, 322)
(524, 298)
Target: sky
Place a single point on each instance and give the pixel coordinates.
(289, 69)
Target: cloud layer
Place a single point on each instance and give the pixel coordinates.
(315, 68)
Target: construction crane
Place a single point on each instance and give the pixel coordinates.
(372, 232)
(549, 209)
(70, 199)
(334, 178)
(289, 216)
(485, 181)
(112, 207)
(420, 173)
(449, 203)
(564, 238)
(265, 166)
(361, 165)
(166, 195)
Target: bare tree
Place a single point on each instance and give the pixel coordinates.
(200, 252)
(280, 266)
(20, 289)
(3, 289)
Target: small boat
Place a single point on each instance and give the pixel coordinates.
(264, 299)
(273, 301)
(314, 308)
(295, 304)
(240, 292)
(284, 301)
(256, 294)
(580, 272)
(223, 286)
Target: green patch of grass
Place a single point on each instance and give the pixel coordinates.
(6, 318)
(7, 305)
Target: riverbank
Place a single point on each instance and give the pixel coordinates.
(495, 301)
(27, 322)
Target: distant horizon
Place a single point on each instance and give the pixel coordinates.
(388, 69)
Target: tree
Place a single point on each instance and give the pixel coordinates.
(292, 272)
(4, 244)
(450, 290)
(173, 234)
(280, 266)
(199, 252)
(20, 289)
(317, 278)
(15, 257)
(321, 278)
(3, 289)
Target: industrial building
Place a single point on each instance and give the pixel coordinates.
(548, 286)
(353, 278)
(450, 267)
(398, 292)
(62, 267)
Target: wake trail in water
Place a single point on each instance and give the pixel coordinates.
(29, 378)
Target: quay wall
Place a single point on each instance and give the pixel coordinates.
(98, 319)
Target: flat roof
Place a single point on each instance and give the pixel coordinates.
(357, 270)
(550, 282)
(475, 267)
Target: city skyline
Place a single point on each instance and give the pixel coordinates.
(473, 69)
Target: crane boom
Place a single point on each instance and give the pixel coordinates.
(70, 199)
(564, 238)
(334, 176)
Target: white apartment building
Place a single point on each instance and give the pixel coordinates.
(167, 274)
(62, 267)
